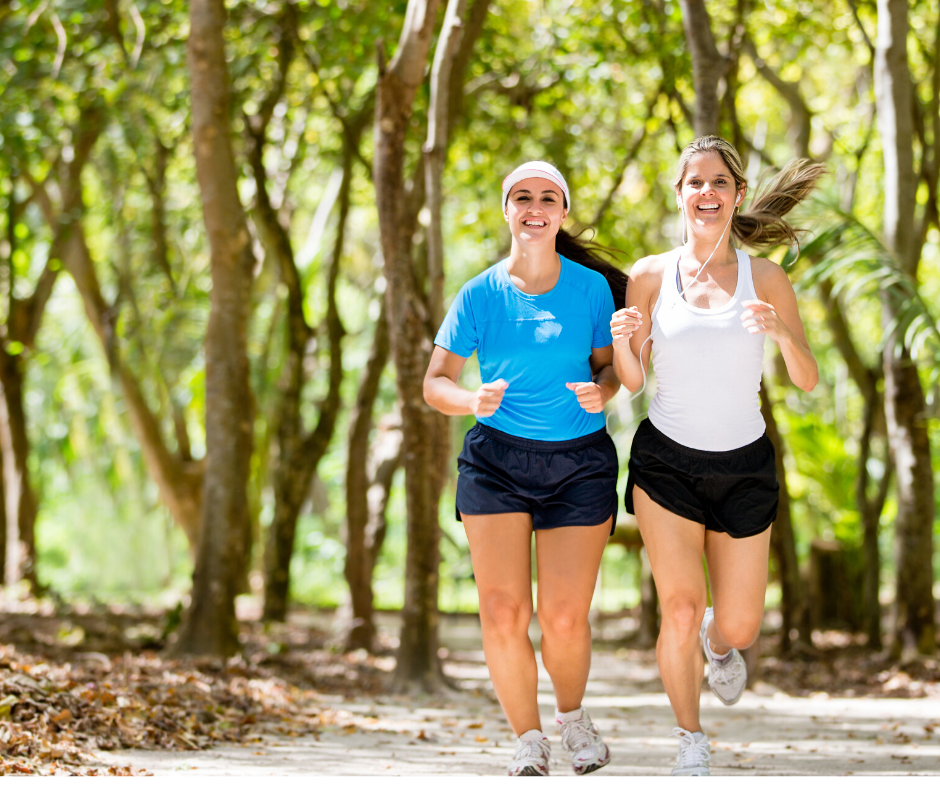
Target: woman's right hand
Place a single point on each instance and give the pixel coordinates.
(487, 399)
(622, 325)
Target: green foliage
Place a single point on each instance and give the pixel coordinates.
(596, 87)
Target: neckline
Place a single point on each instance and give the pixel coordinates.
(563, 261)
(707, 310)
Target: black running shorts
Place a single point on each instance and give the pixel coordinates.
(559, 483)
(734, 492)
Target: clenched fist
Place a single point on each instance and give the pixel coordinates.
(623, 323)
(486, 399)
(589, 396)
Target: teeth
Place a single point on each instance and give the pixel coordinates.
(534, 224)
(708, 207)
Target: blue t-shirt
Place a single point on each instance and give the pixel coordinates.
(536, 343)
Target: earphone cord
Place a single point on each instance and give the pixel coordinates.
(653, 330)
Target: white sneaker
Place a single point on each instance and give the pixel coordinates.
(532, 754)
(727, 674)
(581, 740)
(694, 754)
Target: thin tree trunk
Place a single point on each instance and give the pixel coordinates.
(20, 499)
(210, 626)
(418, 664)
(299, 454)
(870, 512)
(873, 422)
(793, 605)
(4, 525)
(359, 557)
(708, 65)
(905, 406)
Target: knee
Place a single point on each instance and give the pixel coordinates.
(683, 614)
(505, 616)
(562, 621)
(739, 632)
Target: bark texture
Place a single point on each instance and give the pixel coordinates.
(360, 544)
(210, 626)
(418, 664)
(905, 405)
(708, 66)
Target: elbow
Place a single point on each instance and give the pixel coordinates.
(811, 379)
(428, 392)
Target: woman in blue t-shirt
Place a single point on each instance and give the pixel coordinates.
(539, 457)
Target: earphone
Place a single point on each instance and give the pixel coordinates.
(681, 295)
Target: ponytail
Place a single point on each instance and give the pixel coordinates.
(587, 253)
(763, 223)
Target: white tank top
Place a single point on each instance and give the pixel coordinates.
(708, 367)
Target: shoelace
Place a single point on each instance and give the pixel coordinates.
(727, 673)
(691, 752)
(535, 750)
(579, 734)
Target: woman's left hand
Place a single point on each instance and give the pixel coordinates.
(759, 317)
(590, 396)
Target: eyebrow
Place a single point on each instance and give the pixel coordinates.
(717, 175)
(526, 191)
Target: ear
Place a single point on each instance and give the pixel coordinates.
(741, 194)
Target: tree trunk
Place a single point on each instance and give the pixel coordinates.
(210, 626)
(915, 626)
(873, 422)
(418, 664)
(870, 513)
(299, 454)
(359, 557)
(20, 500)
(708, 65)
(5, 538)
(793, 605)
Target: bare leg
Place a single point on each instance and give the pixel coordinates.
(675, 546)
(500, 548)
(568, 560)
(737, 569)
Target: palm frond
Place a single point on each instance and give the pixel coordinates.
(853, 258)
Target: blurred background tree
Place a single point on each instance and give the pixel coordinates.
(106, 284)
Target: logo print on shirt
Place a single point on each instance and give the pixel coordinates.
(546, 331)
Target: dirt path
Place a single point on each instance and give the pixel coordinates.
(766, 733)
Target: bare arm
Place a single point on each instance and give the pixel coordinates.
(777, 315)
(442, 392)
(631, 327)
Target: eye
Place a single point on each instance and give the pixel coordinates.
(522, 198)
(549, 199)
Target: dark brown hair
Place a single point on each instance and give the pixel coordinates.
(587, 253)
(763, 223)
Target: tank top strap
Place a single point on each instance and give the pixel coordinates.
(747, 290)
(668, 288)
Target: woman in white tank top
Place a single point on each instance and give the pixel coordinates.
(702, 469)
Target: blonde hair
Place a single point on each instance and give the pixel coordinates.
(763, 223)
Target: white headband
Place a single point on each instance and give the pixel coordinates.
(535, 169)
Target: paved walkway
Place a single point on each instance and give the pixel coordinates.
(766, 733)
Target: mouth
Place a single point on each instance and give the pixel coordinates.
(534, 223)
(708, 207)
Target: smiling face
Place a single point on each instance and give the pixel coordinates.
(535, 211)
(708, 192)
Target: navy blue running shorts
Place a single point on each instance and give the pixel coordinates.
(734, 492)
(559, 483)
